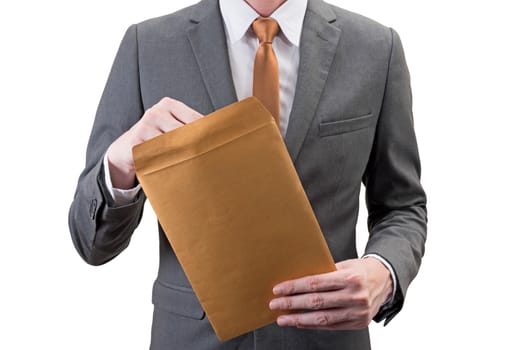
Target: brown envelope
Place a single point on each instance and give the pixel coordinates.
(227, 195)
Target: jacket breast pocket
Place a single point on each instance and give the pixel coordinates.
(177, 299)
(327, 128)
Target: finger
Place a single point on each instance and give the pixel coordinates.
(313, 301)
(179, 110)
(316, 283)
(159, 117)
(166, 122)
(316, 319)
(145, 132)
(346, 264)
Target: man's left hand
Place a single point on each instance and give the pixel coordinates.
(347, 298)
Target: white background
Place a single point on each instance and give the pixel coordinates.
(466, 60)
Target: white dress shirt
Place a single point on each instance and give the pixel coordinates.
(242, 44)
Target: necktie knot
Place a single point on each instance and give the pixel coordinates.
(265, 28)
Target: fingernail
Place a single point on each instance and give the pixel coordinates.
(274, 304)
(283, 321)
(277, 290)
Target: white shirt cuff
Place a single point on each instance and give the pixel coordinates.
(119, 196)
(392, 274)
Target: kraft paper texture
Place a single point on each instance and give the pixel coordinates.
(232, 206)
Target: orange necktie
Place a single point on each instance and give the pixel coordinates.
(265, 67)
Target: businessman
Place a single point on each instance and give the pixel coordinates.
(338, 86)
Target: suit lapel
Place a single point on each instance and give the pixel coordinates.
(318, 44)
(208, 42)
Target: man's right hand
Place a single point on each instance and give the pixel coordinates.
(166, 115)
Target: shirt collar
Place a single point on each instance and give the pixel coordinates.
(238, 17)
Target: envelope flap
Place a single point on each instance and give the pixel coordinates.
(201, 135)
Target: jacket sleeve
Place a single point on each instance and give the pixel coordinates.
(100, 230)
(396, 201)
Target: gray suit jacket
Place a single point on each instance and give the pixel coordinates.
(351, 121)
